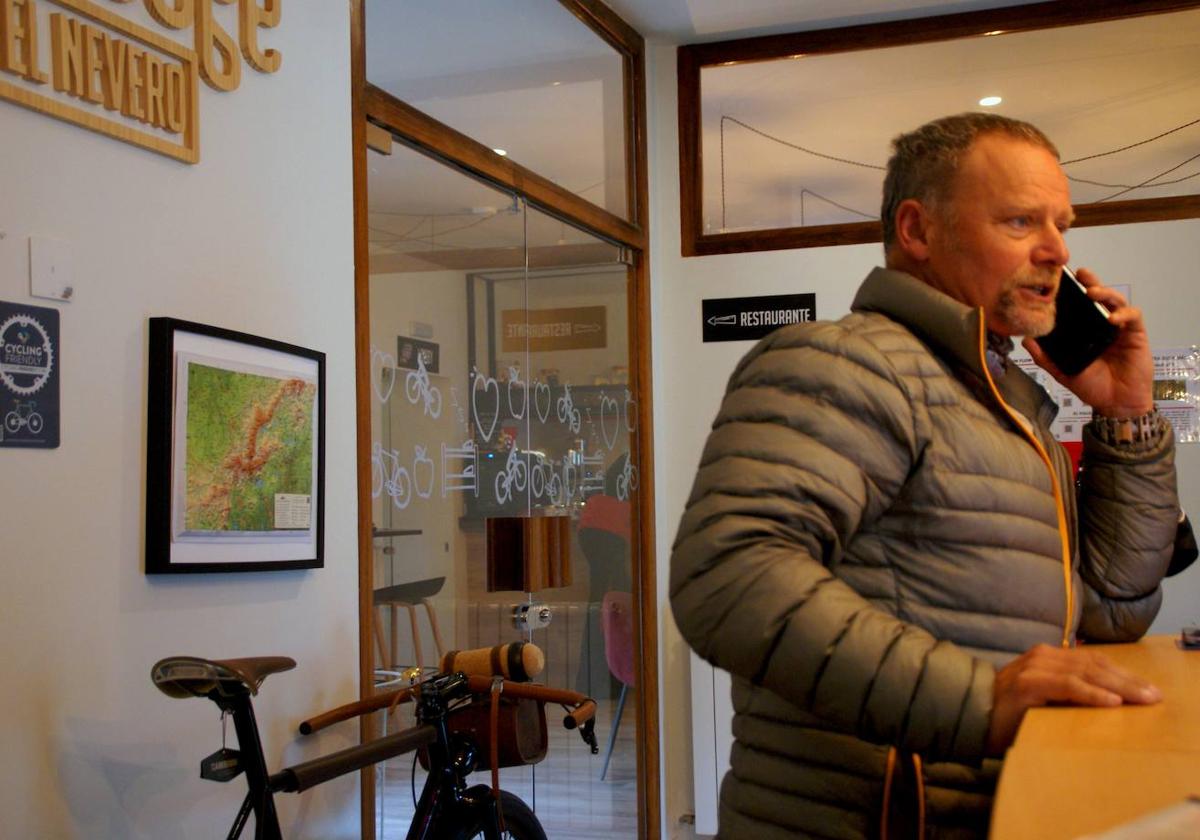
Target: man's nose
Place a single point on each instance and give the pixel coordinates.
(1052, 247)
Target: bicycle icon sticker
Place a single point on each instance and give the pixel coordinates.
(418, 390)
(23, 415)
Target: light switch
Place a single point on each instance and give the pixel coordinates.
(51, 272)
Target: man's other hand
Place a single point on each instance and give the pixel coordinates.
(1120, 383)
(1045, 675)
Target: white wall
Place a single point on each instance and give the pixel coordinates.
(257, 238)
(1156, 259)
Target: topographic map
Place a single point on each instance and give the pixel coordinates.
(249, 438)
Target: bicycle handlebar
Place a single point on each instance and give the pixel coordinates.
(585, 707)
(358, 707)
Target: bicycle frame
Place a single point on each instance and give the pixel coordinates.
(446, 801)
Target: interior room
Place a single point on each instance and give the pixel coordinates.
(468, 247)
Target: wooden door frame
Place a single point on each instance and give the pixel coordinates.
(457, 150)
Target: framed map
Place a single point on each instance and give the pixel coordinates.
(235, 452)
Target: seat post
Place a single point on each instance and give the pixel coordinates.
(254, 762)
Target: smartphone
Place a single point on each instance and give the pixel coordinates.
(1082, 331)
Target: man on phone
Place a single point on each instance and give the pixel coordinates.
(884, 544)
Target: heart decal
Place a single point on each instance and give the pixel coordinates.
(541, 393)
(386, 380)
(610, 411)
(481, 384)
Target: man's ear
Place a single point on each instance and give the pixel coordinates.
(913, 222)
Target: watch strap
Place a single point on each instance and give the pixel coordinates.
(1127, 431)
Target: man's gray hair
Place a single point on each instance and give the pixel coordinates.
(925, 162)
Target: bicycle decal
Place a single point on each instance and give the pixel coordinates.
(418, 389)
(630, 412)
(567, 412)
(393, 477)
(627, 481)
(514, 477)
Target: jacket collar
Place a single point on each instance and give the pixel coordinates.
(952, 329)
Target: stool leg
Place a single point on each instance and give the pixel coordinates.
(612, 739)
(379, 643)
(416, 635)
(437, 634)
(395, 637)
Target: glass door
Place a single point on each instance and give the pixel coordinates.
(500, 398)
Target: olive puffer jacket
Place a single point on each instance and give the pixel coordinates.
(877, 524)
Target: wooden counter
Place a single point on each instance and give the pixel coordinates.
(1074, 770)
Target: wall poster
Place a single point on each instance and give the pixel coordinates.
(235, 452)
(29, 366)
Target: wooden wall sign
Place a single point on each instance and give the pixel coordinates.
(82, 63)
(567, 328)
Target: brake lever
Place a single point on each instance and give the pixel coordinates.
(588, 733)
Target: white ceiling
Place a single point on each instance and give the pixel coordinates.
(692, 21)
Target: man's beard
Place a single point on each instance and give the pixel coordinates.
(1033, 321)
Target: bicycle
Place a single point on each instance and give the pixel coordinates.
(418, 389)
(23, 414)
(448, 807)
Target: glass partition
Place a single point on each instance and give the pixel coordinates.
(549, 93)
(500, 379)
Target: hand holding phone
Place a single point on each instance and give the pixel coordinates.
(1082, 331)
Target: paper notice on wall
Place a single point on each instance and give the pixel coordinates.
(1176, 393)
(1177, 390)
(1073, 413)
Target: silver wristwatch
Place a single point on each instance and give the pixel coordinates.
(1127, 431)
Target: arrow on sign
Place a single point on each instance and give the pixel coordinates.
(722, 321)
(581, 329)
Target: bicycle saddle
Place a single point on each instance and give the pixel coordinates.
(190, 676)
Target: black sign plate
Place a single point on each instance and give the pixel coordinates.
(30, 360)
(409, 350)
(750, 318)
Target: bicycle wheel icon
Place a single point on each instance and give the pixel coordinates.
(12, 422)
(35, 422)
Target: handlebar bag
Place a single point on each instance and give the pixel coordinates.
(521, 731)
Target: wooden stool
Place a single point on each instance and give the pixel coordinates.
(408, 596)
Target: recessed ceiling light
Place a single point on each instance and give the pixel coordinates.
(500, 152)
(989, 101)
(993, 32)
(555, 84)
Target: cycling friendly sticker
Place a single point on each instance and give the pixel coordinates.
(29, 363)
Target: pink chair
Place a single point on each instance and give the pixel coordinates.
(616, 618)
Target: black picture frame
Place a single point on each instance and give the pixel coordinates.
(181, 537)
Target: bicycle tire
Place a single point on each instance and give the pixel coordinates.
(520, 823)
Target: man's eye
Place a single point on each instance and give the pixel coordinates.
(1019, 222)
